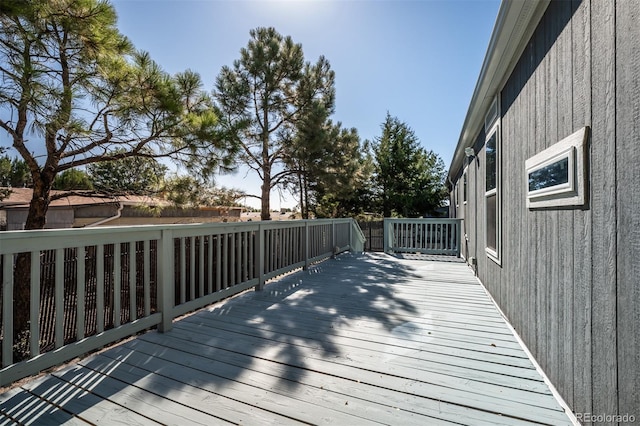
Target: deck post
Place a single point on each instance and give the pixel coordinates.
(387, 235)
(259, 257)
(165, 280)
(333, 239)
(7, 311)
(306, 245)
(458, 237)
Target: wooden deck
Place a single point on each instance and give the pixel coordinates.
(359, 339)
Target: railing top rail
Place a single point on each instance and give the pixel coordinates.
(424, 219)
(45, 239)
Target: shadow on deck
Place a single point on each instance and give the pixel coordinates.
(358, 339)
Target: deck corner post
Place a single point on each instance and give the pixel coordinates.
(260, 250)
(458, 237)
(351, 245)
(165, 280)
(387, 235)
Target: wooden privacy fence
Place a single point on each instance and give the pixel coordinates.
(428, 236)
(92, 287)
(374, 233)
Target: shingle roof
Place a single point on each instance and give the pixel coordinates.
(20, 197)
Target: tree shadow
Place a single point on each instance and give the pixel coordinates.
(259, 356)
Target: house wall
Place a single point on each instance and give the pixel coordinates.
(569, 279)
(56, 218)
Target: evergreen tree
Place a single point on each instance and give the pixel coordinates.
(337, 174)
(72, 179)
(409, 179)
(14, 173)
(262, 98)
(186, 191)
(130, 175)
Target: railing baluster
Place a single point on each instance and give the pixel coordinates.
(218, 262)
(225, 260)
(201, 267)
(210, 268)
(250, 265)
(99, 288)
(232, 263)
(267, 250)
(182, 242)
(133, 314)
(59, 298)
(244, 238)
(7, 309)
(192, 268)
(80, 291)
(34, 305)
(147, 275)
(244, 270)
(117, 285)
(260, 253)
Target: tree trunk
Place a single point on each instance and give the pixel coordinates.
(303, 203)
(306, 196)
(265, 213)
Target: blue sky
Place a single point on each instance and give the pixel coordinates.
(417, 59)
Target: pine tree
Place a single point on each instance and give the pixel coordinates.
(409, 179)
(264, 95)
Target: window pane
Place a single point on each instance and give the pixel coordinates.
(552, 175)
(491, 222)
(490, 156)
(465, 187)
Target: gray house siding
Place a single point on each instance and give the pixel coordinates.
(569, 278)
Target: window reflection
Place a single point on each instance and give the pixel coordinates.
(552, 175)
(490, 156)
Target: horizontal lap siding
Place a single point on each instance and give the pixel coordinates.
(569, 277)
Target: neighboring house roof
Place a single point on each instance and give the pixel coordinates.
(516, 22)
(79, 210)
(20, 198)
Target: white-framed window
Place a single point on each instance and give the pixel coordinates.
(556, 176)
(493, 210)
(455, 196)
(465, 185)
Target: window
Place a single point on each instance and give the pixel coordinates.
(492, 185)
(551, 177)
(556, 176)
(464, 187)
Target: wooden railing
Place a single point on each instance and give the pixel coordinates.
(428, 236)
(92, 287)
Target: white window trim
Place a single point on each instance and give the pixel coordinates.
(495, 255)
(572, 193)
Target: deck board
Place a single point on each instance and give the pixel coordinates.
(360, 339)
